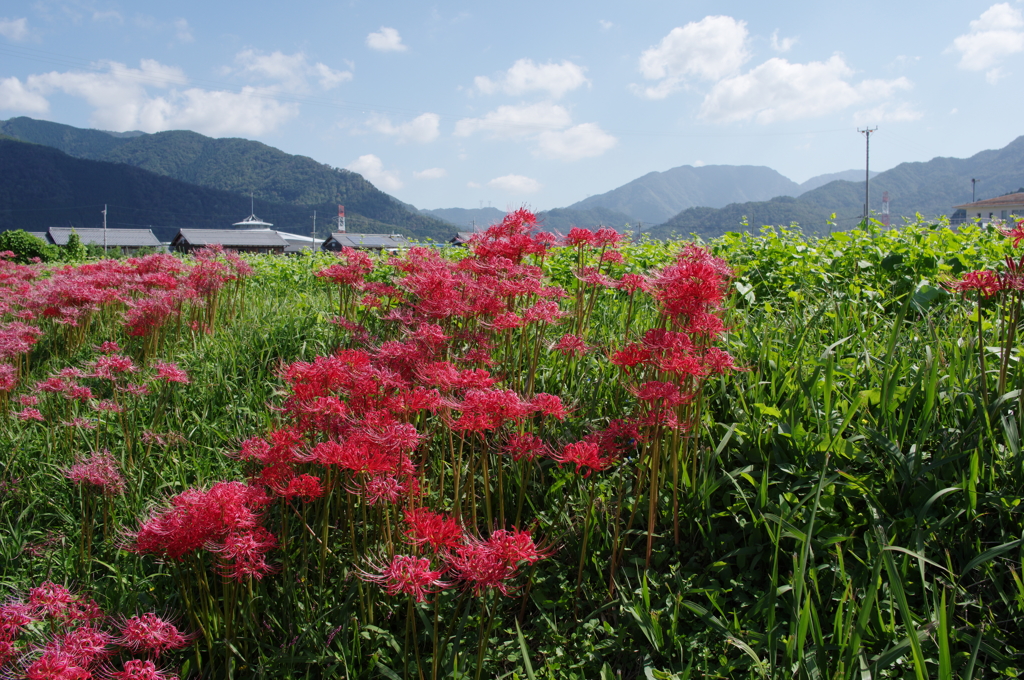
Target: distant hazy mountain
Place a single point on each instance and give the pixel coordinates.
(467, 218)
(657, 196)
(235, 165)
(822, 180)
(931, 188)
(558, 220)
(42, 187)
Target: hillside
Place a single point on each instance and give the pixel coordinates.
(822, 180)
(236, 165)
(931, 188)
(657, 196)
(42, 187)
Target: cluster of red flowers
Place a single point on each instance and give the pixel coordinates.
(987, 282)
(100, 471)
(473, 563)
(80, 644)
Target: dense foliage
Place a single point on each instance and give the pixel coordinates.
(440, 467)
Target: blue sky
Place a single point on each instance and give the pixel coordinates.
(456, 104)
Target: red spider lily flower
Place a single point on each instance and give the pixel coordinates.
(1017, 233)
(169, 372)
(592, 276)
(695, 282)
(605, 237)
(100, 470)
(244, 553)
(86, 645)
(139, 669)
(30, 414)
(110, 366)
(985, 281)
(579, 237)
(108, 347)
(14, 616)
(150, 634)
(479, 568)
(631, 355)
(304, 487)
(613, 257)
(8, 377)
(28, 400)
(83, 423)
(571, 345)
(108, 406)
(57, 665)
(51, 600)
(548, 405)
(506, 322)
(434, 529)
(515, 546)
(407, 575)
(8, 651)
(526, 446)
(134, 390)
(355, 266)
(384, 487)
(586, 456)
(668, 394)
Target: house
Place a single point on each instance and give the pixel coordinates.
(128, 240)
(339, 240)
(461, 238)
(239, 240)
(1001, 208)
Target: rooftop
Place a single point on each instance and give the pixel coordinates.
(231, 237)
(997, 202)
(133, 238)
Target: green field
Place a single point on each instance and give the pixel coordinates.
(761, 456)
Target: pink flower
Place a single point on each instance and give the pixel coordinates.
(435, 529)
(170, 372)
(100, 470)
(586, 456)
(137, 669)
(30, 414)
(150, 634)
(571, 345)
(408, 575)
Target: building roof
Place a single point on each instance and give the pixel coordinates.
(245, 238)
(132, 238)
(352, 240)
(997, 202)
(41, 235)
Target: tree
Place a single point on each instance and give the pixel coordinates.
(26, 247)
(73, 250)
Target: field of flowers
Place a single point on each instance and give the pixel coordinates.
(763, 456)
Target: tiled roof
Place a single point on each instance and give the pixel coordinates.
(999, 201)
(370, 240)
(230, 237)
(133, 238)
(41, 235)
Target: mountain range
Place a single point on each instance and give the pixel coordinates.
(290, 187)
(180, 178)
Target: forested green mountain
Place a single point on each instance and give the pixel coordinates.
(931, 188)
(240, 166)
(42, 187)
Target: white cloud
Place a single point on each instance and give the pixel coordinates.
(421, 129)
(386, 40)
(778, 90)
(14, 97)
(546, 124)
(430, 173)
(291, 71)
(605, 25)
(182, 31)
(372, 168)
(580, 141)
(472, 185)
(526, 76)
(709, 49)
(995, 35)
(783, 45)
(515, 184)
(14, 29)
(888, 112)
(330, 78)
(516, 120)
(121, 101)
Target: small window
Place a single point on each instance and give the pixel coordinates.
(1004, 214)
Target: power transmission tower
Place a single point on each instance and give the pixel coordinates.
(867, 171)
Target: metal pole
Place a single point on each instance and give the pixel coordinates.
(313, 251)
(867, 172)
(104, 228)
(973, 182)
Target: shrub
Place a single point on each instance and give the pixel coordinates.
(25, 246)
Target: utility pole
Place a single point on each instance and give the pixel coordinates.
(104, 228)
(313, 251)
(973, 182)
(867, 172)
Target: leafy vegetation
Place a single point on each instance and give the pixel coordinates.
(847, 503)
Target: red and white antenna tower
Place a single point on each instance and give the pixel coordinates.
(885, 208)
(341, 219)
